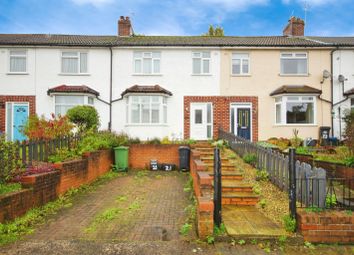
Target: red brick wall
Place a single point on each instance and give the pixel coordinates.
(3, 99)
(326, 227)
(41, 188)
(141, 154)
(221, 112)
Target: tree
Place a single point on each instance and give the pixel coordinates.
(349, 130)
(214, 31)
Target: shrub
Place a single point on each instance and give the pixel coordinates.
(289, 223)
(85, 117)
(349, 130)
(10, 161)
(262, 175)
(282, 143)
(153, 141)
(165, 140)
(40, 128)
(295, 141)
(250, 158)
(61, 155)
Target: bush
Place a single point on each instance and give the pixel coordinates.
(289, 223)
(261, 175)
(10, 161)
(250, 158)
(281, 143)
(61, 155)
(39, 128)
(153, 141)
(85, 117)
(349, 130)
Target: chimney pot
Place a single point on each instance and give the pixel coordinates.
(295, 27)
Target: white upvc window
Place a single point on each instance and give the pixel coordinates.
(18, 61)
(65, 102)
(293, 63)
(295, 109)
(240, 64)
(74, 62)
(201, 62)
(147, 62)
(147, 110)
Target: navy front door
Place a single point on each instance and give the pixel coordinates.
(244, 123)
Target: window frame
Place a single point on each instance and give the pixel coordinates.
(142, 62)
(85, 100)
(163, 110)
(78, 52)
(202, 59)
(26, 60)
(283, 106)
(293, 53)
(241, 64)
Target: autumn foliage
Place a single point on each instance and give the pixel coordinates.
(40, 128)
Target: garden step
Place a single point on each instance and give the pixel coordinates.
(236, 186)
(211, 160)
(229, 175)
(202, 145)
(239, 198)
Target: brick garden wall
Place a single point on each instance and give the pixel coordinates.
(221, 112)
(141, 154)
(202, 184)
(42, 188)
(326, 227)
(3, 99)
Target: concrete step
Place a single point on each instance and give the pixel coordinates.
(224, 167)
(202, 145)
(208, 160)
(239, 198)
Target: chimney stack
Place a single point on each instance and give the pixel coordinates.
(124, 26)
(295, 27)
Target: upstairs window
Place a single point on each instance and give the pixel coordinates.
(201, 62)
(240, 64)
(293, 63)
(147, 110)
(18, 61)
(74, 62)
(147, 62)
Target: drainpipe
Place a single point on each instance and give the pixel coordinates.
(332, 114)
(340, 123)
(110, 89)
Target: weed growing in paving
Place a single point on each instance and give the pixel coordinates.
(289, 223)
(121, 198)
(26, 224)
(185, 229)
(263, 203)
(314, 209)
(210, 239)
(241, 242)
(134, 206)
(106, 216)
(140, 174)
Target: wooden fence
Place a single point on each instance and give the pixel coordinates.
(312, 184)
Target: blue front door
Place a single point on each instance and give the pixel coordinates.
(244, 123)
(20, 116)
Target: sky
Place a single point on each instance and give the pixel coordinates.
(175, 17)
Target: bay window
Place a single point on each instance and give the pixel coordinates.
(73, 62)
(65, 102)
(293, 63)
(147, 62)
(147, 110)
(18, 61)
(295, 110)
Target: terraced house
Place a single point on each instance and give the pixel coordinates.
(176, 86)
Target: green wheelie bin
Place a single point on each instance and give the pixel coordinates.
(121, 158)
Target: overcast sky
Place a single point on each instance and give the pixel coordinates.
(175, 17)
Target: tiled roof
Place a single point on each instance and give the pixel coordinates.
(156, 89)
(73, 89)
(102, 41)
(293, 89)
(336, 41)
(349, 92)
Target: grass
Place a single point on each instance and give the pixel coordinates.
(9, 187)
(15, 230)
(104, 217)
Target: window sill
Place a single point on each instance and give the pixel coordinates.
(295, 125)
(241, 75)
(294, 75)
(17, 73)
(207, 74)
(146, 125)
(148, 74)
(74, 74)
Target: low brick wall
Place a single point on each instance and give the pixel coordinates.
(202, 183)
(326, 227)
(141, 154)
(42, 188)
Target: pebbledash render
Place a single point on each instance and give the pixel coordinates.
(176, 86)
